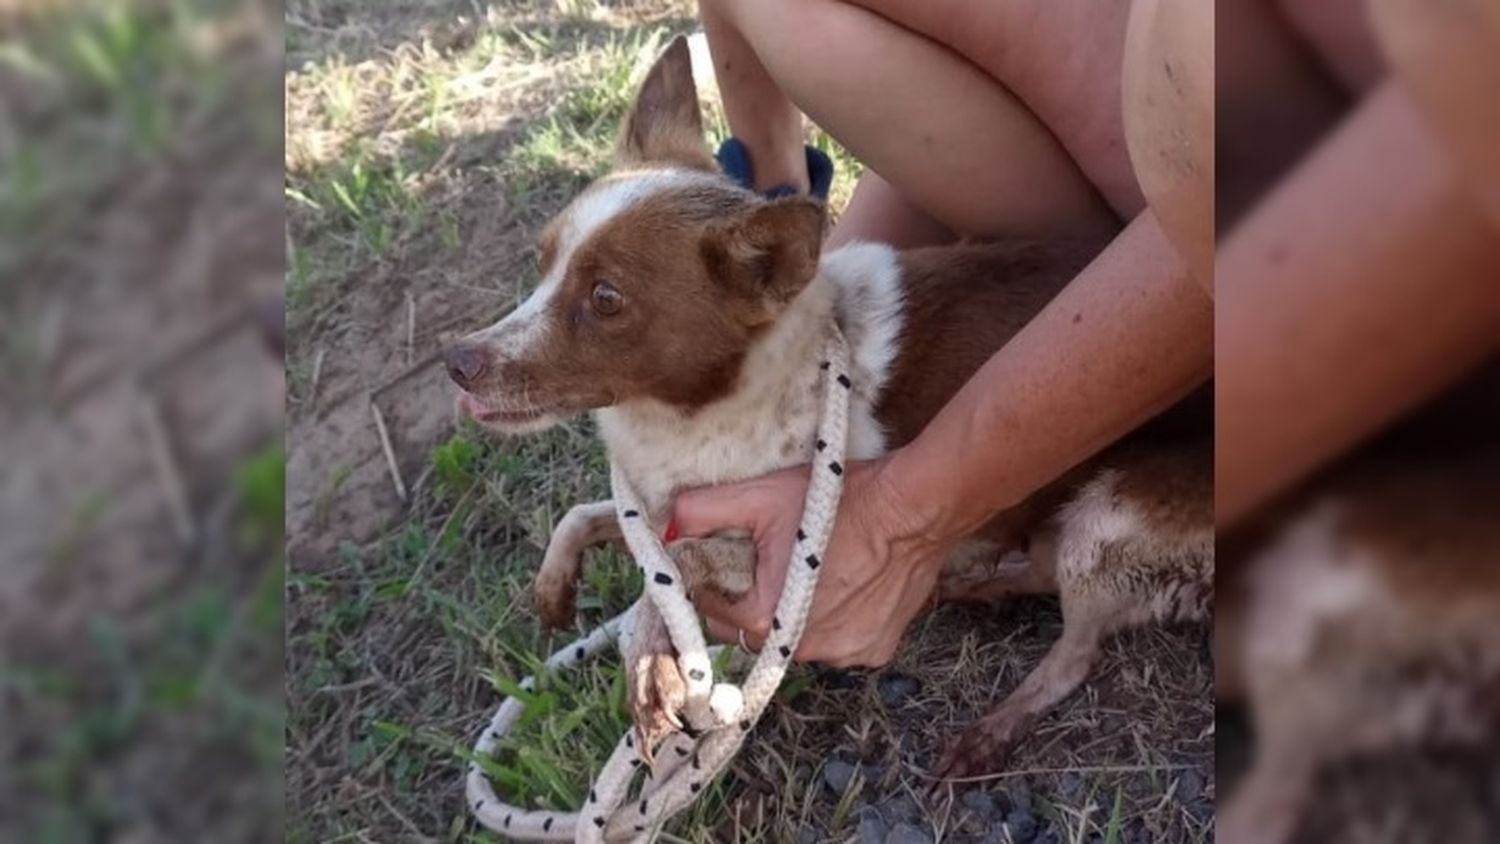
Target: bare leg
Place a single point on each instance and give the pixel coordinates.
(879, 213)
(556, 585)
(928, 121)
(759, 114)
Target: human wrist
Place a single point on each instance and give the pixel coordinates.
(919, 509)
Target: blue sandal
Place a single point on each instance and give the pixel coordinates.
(735, 160)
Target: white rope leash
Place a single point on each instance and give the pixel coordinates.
(722, 714)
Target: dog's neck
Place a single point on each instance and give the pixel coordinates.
(764, 423)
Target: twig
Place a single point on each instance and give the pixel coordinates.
(390, 454)
(166, 468)
(312, 390)
(411, 326)
(1094, 769)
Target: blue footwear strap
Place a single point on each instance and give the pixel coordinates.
(735, 161)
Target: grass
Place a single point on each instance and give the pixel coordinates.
(410, 142)
(128, 76)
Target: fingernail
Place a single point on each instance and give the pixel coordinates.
(671, 533)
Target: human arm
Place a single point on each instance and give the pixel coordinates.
(1129, 336)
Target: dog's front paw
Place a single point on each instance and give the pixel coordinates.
(556, 594)
(656, 692)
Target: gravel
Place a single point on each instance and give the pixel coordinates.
(872, 830)
(981, 803)
(836, 775)
(908, 834)
(896, 688)
(899, 808)
(1022, 825)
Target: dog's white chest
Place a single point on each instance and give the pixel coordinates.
(770, 420)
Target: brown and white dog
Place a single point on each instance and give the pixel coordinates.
(683, 311)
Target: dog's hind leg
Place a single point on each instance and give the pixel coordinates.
(1117, 564)
(984, 745)
(556, 584)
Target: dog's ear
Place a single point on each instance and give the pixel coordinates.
(770, 250)
(665, 125)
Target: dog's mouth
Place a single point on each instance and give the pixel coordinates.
(507, 416)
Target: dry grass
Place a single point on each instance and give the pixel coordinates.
(427, 144)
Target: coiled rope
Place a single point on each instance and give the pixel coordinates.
(721, 714)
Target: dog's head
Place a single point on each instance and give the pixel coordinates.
(655, 283)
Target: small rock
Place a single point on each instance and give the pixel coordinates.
(873, 773)
(808, 834)
(896, 688)
(911, 743)
(836, 775)
(972, 825)
(981, 803)
(908, 834)
(1189, 785)
(899, 808)
(872, 829)
(1070, 786)
(1201, 810)
(1022, 825)
(1019, 794)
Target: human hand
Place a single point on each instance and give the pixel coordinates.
(880, 568)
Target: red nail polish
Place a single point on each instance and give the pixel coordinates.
(671, 533)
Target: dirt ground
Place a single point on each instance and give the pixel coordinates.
(426, 145)
(140, 504)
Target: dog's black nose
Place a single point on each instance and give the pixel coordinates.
(466, 363)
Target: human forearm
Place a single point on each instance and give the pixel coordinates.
(1363, 286)
(1128, 337)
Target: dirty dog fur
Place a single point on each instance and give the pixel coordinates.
(684, 313)
(1362, 611)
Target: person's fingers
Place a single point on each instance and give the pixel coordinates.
(730, 635)
(709, 510)
(746, 614)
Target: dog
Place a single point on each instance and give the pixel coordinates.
(1363, 611)
(686, 313)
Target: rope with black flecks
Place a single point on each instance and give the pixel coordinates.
(721, 713)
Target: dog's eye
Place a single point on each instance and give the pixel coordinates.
(607, 300)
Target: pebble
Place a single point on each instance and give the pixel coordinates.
(1189, 785)
(1070, 786)
(908, 834)
(808, 834)
(897, 688)
(899, 808)
(872, 829)
(1022, 825)
(836, 775)
(981, 803)
(1019, 794)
